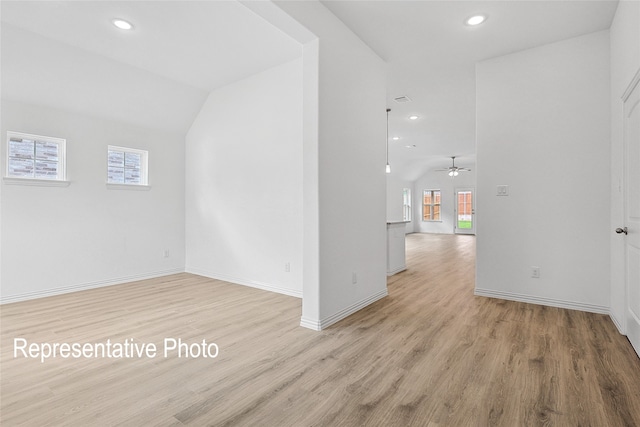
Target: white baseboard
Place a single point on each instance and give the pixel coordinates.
(315, 325)
(396, 271)
(571, 305)
(245, 282)
(619, 325)
(334, 318)
(633, 331)
(85, 286)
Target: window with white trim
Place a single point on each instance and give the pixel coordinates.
(35, 157)
(431, 205)
(127, 166)
(406, 204)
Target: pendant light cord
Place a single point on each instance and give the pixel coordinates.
(388, 109)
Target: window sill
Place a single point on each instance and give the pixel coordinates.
(134, 187)
(9, 180)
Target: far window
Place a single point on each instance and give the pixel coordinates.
(406, 204)
(127, 166)
(431, 205)
(35, 157)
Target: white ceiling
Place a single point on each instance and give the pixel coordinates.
(432, 56)
(160, 74)
(177, 53)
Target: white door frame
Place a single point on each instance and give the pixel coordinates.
(471, 230)
(631, 219)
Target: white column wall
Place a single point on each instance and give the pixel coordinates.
(351, 175)
(543, 129)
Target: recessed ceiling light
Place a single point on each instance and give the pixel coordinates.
(413, 117)
(475, 20)
(122, 24)
(395, 138)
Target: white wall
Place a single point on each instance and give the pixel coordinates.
(85, 235)
(351, 179)
(244, 182)
(543, 128)
(440, 181)
(625, 62)
(395, 200)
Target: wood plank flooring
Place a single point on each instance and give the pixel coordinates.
(430, 354)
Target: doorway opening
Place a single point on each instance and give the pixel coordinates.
(464, 211)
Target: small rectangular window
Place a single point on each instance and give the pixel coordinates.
(406, 204)
(35, 157)
(127, 166)
(431, 205)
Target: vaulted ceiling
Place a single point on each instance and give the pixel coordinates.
(68, 54)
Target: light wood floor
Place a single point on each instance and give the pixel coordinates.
(430, 354)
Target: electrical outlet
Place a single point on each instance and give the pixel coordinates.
(535, 272)
(354, 278)
(287, 267)
(502, 190)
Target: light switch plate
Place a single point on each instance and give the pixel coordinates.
(503, 190)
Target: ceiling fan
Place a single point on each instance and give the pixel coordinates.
(453, 169)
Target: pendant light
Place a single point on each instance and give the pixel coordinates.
(388, 167)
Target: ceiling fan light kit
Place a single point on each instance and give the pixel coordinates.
(453, 170)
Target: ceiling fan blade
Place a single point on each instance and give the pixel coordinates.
(442, 170)
(464, 169)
